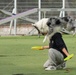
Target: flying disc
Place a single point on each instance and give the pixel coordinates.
(69, 57)
(37, 48)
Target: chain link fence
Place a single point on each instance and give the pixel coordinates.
(25, 5)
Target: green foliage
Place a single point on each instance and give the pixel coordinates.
(16, 56)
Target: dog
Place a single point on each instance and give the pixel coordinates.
(41, 26)
(49, 26)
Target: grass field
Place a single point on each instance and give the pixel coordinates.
(17, 58)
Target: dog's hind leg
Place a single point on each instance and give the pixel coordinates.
(38, 31)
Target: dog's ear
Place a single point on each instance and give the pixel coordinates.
(49, 23)
(57, 22)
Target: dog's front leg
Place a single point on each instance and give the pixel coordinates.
(48, 35)
(45, 38)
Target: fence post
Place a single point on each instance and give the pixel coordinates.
(39, 7)
(63, 8)
(15, 20)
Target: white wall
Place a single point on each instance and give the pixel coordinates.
(21, 30)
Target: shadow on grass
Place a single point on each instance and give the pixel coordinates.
(67, 71)
(12, 55)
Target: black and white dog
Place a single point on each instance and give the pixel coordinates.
(49, 26)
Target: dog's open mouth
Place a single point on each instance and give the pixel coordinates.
(43, 33)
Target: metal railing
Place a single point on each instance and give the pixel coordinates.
(46, 8)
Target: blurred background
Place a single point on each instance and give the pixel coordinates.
(45, 9)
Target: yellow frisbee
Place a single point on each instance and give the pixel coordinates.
(69, 57)
(37, 48)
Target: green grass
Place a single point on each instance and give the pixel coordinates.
(16, 56)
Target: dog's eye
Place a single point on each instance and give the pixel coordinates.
(66, 19)
(58, 22)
